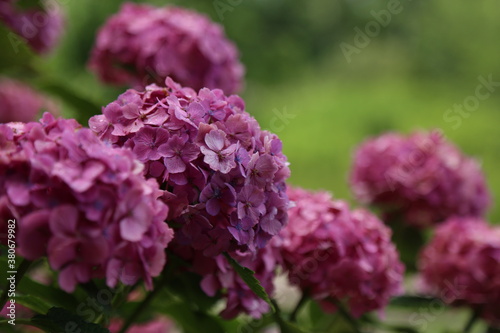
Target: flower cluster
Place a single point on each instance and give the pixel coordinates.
(222, 175)
(220, 279)
(21, 103)
(422, 178)
(461, 265)
(84, 205)
(335, 254)
(41, 27)
(143, 44)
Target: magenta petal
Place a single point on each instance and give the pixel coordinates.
(242, 236)
(61, 251)
(63, 220)
(34, 233)
(175, 164)
(227, 164)
(18, 193)
(94, 251)
(210, 158)
(210, 285)
(113, 271)
(162, 136)
(141, 151)
(271, 225)
(213, 207)
(130, 111)
(132, 230)
(215, 140)
(67, 280)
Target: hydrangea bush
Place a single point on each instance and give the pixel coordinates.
(82, 204)
(142, 44)
(333, 253)
(422, 179)
(40, 27)
(222, 174)
(461, 265)
(21, 103)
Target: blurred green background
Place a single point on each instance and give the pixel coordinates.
(403, 76)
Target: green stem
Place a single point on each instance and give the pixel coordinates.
(21, 270)
(276, 312)
(347, 316)
(144, 304)
(470, 323)
(300, 303)
(23, 321)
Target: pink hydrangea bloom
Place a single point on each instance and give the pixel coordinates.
(219, 278)
(422, 179)
(41, 28)
(83, 204)
(20, 102)
(158, 325)
(461, 265)
(143, 44)
(223, 176)
(333, 253)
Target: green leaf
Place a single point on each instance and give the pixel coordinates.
(34, 303)
(192, 321)
(51, 295)
(400, 329)
(187, 287)
(60, 320)
(287, 327)
(248, 276)
(411, 301)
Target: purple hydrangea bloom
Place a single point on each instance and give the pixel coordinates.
(422, 179)
(20, 102)
(461, 265)
(334, 253)
(41, 27)
(142, 44)
(223, 177)
(83, 204)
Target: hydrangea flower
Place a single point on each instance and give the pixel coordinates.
(334, 254)
(142, 44)
(20, 102)
(461, 265)
(422, 179)
(223, 176)
(220, 279)
(83, 204)
(41, 27)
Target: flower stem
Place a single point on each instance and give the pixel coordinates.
(347, 316)
(21, 270)
(300, 303)
(144, 304)
(470, 323)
